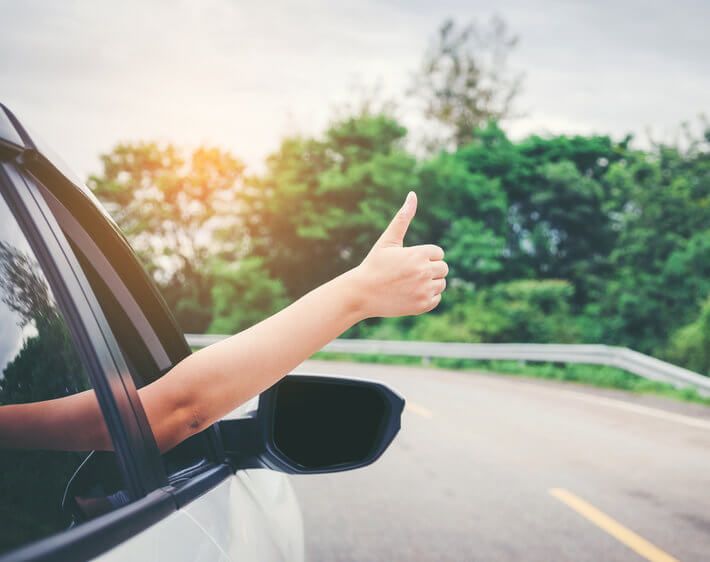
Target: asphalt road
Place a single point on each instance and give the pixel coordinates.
(495, 468)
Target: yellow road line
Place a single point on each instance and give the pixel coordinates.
(419, 410)
(636, 543)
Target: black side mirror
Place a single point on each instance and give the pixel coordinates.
(307, 424)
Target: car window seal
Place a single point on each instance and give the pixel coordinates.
(92, 538)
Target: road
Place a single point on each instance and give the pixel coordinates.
(490, 468)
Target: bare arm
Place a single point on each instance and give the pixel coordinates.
(71, 423)
(202, 388)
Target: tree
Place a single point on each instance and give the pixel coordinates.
(560, 212)
(323, 201)
(464, 80)
(690, 345)
(242, 295)
(514, 312)
(464, 212)
(171, 207)
(661, 261)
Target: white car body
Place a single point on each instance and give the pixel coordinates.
(252, 516)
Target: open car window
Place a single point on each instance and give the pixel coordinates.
(38, 362)
(143, 327)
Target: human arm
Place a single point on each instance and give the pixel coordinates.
(205, 386)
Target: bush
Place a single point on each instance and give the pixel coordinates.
(518, 311)
(690, 346)
(242, 295)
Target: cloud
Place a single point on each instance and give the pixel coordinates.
(241, 74)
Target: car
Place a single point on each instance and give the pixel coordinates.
(79, 313)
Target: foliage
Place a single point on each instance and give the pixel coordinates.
(549, 239)
(242, 295)
(465, 212)
(561, 214)
(322, 202)
(661, 260)
(513, 312)
(690, 346)
(172, 208)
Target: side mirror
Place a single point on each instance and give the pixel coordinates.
(308, 424)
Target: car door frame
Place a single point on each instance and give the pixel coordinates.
(136, 451)
(55, 190)
(25, 171)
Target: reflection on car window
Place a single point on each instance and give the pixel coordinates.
(38, 361)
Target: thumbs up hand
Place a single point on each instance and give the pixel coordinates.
(399, 281)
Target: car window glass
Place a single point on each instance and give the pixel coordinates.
(38, 361)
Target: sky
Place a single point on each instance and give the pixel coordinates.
(243, 74)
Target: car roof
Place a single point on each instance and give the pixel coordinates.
(9, 135)
(16, 137)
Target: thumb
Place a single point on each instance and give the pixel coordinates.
(394, 233)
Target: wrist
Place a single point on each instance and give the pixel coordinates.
(354, 294)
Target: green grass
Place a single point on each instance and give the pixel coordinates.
(593, 375)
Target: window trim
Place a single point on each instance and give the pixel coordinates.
(107, 271)
(150, 502)
(135, 448)
(95, 537)
(23, 176)
(54, 195)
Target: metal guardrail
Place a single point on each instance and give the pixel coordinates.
(612, 356)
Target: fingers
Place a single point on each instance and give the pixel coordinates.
(433, 252)
(394, 233)
(439, 286)
(439, 269)
(435, 300)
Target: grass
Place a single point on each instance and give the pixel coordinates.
(594, 375)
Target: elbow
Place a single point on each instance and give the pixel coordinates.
(178, 405)
(181, 423)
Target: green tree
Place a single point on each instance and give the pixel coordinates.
(171, 208)
(242, 295)
(465, 213)
(561, 212)
(514, 312)
(690, 345)
(323, 201)
(661, 261)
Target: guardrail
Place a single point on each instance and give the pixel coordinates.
(612, 356)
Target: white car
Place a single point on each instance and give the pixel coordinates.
(79, 313)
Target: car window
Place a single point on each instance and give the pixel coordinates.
(38, 361)
(143, 327)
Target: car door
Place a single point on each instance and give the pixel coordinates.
(252, 515)
(52, 347)
(186, 504)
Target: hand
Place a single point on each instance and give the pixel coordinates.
(398, 281)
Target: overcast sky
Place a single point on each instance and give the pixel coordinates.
(242, 74)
